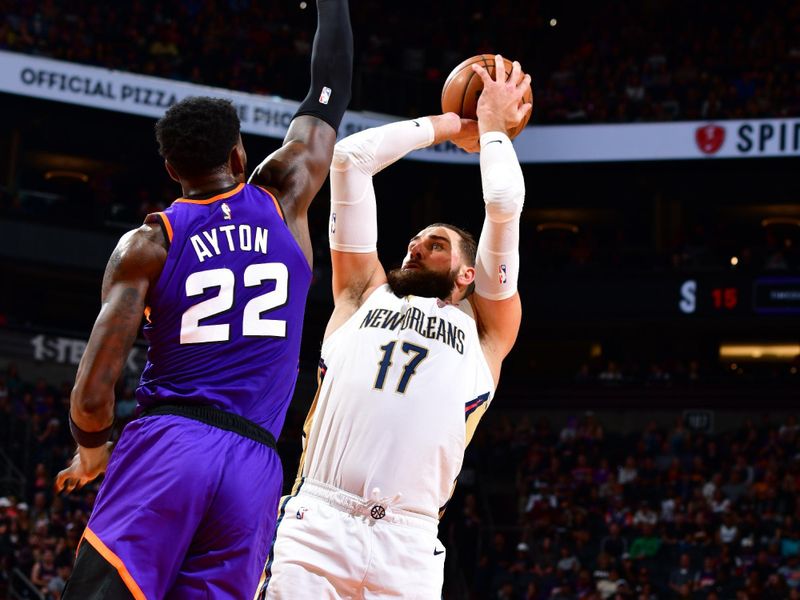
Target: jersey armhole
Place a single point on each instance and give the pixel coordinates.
(163, 221)
(329, 340)
(275, 201)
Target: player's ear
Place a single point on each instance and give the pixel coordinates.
(238, 159)
(466, 276)
(172, 172)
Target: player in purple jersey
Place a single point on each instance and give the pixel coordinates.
(188, 505)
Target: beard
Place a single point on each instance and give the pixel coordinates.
(423, 283)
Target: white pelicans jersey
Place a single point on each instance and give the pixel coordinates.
(403, 384)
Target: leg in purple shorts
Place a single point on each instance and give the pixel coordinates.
(187, 510)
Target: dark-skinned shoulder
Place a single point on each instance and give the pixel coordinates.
(296, 171)
(139, 256)
(133, 269)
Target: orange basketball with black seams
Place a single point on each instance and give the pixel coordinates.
(463, 88)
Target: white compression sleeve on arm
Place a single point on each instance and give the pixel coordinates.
(497, 264)
(353, 223)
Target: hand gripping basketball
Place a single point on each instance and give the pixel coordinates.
(464, 86)
(502, 105)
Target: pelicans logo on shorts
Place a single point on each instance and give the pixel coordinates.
(502, 274)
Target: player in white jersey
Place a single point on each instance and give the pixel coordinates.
(410, 362)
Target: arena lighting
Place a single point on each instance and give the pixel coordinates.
(759, 352)
(62, 174)
(553, 22)
(557, 226)
(770, 221)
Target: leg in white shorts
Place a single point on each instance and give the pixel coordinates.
(329, 546)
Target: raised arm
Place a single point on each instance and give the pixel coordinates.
(296, 171)
(496, 299)
(353, 231)
(132, 270)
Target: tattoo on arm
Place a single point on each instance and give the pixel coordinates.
(132, 269)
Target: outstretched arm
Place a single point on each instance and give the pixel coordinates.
(296, 171)
(134, 267)
(496, 299)
(353, 230)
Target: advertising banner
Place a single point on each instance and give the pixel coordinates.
(55, 349)
(270, 116)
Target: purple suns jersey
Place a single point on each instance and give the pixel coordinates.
(225, 318)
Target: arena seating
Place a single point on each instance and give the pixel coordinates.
(541, 512)
(614, 61)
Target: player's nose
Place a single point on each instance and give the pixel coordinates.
(415, 250)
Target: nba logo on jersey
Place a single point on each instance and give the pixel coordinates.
(325, 95)
(226, 210)
(501, 272)
(333, 222)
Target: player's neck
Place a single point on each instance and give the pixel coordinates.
(455, 297)
(207, 184)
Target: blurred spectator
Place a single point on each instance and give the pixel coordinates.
(614, 545)
(681, 579)
(613, 61)
(569, 528)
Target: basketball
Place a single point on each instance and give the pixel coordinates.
(463, 88)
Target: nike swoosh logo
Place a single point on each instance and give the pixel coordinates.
(494, 141)
(435, 553)
(417, 124)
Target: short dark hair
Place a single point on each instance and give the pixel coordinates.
(467, 245)
(196, 135)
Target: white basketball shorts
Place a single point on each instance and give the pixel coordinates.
(330, 544)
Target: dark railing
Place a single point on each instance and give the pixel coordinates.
(731, 396)
(12, 480)
(22, 588)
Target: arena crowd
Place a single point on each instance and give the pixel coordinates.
(665, 512)
(610, 61)
(574, 512)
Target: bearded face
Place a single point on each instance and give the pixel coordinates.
(421, 282)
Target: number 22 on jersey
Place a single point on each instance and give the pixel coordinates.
(252, 323)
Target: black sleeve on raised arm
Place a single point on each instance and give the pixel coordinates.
(331, 64)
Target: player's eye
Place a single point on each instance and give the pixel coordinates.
(437, 246)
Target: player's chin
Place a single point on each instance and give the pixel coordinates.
(420, 282)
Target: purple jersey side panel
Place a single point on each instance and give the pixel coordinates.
(226, 315)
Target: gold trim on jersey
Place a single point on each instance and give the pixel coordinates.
(321, 370)
(473, 417)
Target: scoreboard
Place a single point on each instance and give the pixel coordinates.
(767, 295)
(653, 295)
